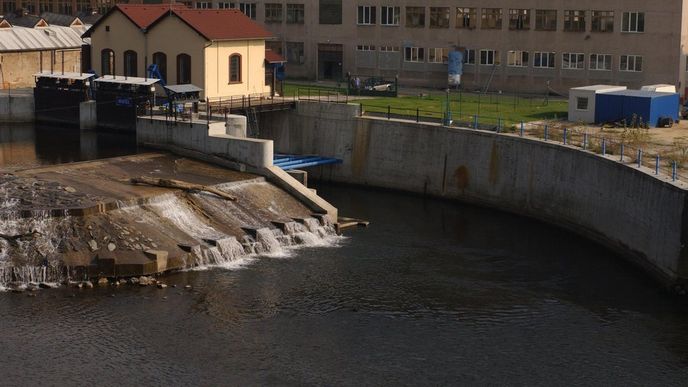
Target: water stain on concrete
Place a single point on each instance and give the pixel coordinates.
(494, 164)
(359, 153)
(462, 178)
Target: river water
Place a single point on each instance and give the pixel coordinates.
(432, 293)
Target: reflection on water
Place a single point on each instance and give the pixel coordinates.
(433, 293)
(26, 145)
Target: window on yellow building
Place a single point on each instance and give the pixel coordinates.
(160, 59)
(235, 68)
(183, 69)
(130, 63)
(107, 61)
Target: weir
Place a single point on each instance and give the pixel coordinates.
(87, 220)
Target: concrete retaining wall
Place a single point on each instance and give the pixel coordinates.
(16, 108)
(201, 137)
(630, 210)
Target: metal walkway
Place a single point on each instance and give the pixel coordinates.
(288, 162)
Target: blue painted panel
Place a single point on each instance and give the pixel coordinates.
(645, 105)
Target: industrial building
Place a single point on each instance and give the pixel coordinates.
(527, 46)
(524, 47)
(38, 47)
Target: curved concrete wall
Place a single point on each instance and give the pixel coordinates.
(626, 208)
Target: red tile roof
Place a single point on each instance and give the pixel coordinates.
(273, 57)
(213, 24)
(222, 24)
(143, 15)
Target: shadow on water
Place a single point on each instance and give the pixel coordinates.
(29, 145)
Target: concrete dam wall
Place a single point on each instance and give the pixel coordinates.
(625, 208)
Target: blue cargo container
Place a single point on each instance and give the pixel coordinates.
(649, 106)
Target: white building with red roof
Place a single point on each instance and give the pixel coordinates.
(220, 50)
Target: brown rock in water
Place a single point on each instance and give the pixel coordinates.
(102, 281)
(88, 284)
(161, 285)
(145, 281)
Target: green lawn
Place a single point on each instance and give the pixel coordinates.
(292, 89)
(464, 106)
(511, 110)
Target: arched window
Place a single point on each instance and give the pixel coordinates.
(235, 68)
(183, 69)
(107, 62)
(160, 59)
(130, 63)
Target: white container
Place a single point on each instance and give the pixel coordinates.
(582, 101)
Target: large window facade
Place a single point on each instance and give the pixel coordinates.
(438, 55)
(415, 17)
(439, 17)
(574, 21)
(519, 19)
(295, 52)
(249, 9)
(544, 60)
(517, 59)
(414, 54)
(390, 16)
(295, 13)
(469, 56)
(631, 63)
(633, 22)
(602, 21)
(491, 18)
(572, 61)
(330, 11)
(367, 14)
(489, 57)
(466, 18)
(600, 62)
(546, 19)
(273, 13)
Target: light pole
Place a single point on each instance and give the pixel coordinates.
(447, 116)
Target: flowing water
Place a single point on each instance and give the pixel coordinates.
(432, 293)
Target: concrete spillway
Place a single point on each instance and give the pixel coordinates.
(88, 220)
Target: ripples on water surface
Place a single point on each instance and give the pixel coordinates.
(432, 293)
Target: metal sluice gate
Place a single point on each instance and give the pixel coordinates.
(288, 162)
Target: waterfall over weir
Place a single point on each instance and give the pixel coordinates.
(218, 248)
(175, 230)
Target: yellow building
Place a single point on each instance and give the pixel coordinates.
(222, 51)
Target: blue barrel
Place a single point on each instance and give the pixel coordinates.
(455, 66)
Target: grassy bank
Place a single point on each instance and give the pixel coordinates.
(464, 106)
(431, 103)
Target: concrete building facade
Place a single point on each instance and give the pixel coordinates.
(525, 46)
